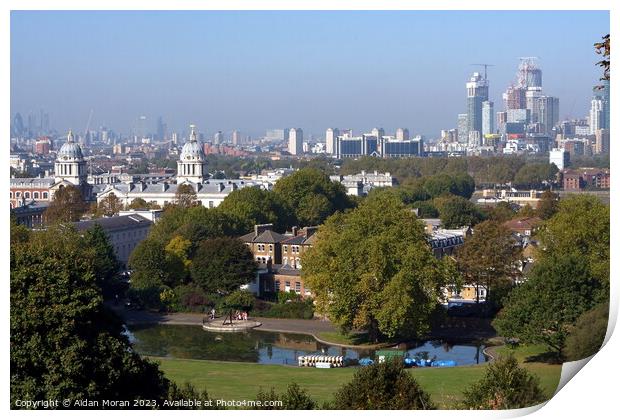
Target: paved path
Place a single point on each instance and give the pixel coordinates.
(301, 326)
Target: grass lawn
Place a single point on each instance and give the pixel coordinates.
(232, 380)
(351, 339)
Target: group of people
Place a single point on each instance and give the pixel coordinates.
(241, 316)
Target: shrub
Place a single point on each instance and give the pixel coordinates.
(300, 310)
(384, 386)
(295, 398)
(505, 385)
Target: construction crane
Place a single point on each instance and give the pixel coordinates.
(90, 117)
(485, 65)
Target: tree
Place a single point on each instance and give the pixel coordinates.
(138, 204)
(559, 289)
(109, 206)
(185, 196)
(603, 48)
(488, 257)
(239, 300)
(580, 227)
(253, 206)
(65, 344)
(501, 212)
(534, 175)
(222, 265)
(548, 205)
(106, 263)
(527, 211)
(150, 271)
(295, 398)
(312, 196)
(459, 184)
(68, 205)
(426, 209)
(177, 260)
(505, 386)
(372, 269)
(456, 212)
(383, 386)
(588, 334)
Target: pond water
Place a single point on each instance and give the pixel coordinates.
(192, 342)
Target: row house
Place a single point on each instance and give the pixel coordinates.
(578, 179)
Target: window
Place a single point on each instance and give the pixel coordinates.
(285, 261)
(277, 284)
(298, 262)
(36, 194)
(287, 284)
(270, 248)
(298, 286)
(18, 194)
(285, 248)
(45, 195)
(11, 194)
(210, 204)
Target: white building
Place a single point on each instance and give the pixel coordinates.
(597, 111)
(560, 157)
(331, 136)
(295, 141)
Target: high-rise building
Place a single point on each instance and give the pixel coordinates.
(331, 134)
(477, 93)
(161, 129)
(402, 134)
(502, 118)
(532, 103)
(377, 132)
(604, 92)
(236, 138)
(548, 113)
(218, 138)
(295, 141)
(461, 127)
(488, 118)
(514, 98)
(597, 114)
(601, 145)
(560, 157)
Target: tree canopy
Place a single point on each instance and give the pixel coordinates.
(68, 205)
(372, 269)
(312, 196)
(64, 342)
(253, 206)
(456, 211)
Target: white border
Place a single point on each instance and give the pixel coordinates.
(591, 393)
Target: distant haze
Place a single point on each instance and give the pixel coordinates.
(258, 70)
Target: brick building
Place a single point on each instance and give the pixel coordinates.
(578, 179)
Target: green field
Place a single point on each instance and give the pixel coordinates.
(233, 380)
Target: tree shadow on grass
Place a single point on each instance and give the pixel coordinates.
(548, 357)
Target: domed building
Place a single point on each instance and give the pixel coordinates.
(192, 164)
(69, 169)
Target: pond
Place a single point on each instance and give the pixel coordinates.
(192, 342)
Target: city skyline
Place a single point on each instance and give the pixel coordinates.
(289, 69)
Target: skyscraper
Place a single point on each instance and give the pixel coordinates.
(218, 138)
(477, 93)
(488, 118)
(331, 135)
(236, 137)
(597, 114)
(295, 141)
(161, 129)
(402, 134)
(548, 113)
(462, 128)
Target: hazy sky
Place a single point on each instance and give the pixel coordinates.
(259, 70)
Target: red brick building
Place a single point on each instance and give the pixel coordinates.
(578, 179)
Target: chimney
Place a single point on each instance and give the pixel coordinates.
(295, 230)
(310, 230)
(258, 229)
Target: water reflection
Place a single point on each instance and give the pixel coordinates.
(192, 342)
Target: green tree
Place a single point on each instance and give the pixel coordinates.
(548, 205)
(138, 204)
(488, 258)
(185, 196)
(535, 175)
(222, 265)
(150, 272)
(64, 342)
(383, 386)
(604, 48)
(426, 209)
(312, 196)
(580, 227)
(109, 206)
(106, 263)
(505, 386)
(501, 212)
(527, 211)
(372, 269)
(253, 206)
(456, 212)
(295, 398)
(542, 310)
(240, 300)
(19, 233)
(68, 205)
(587, 337)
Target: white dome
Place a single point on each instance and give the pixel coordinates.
(192, 150)
(70, 150)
